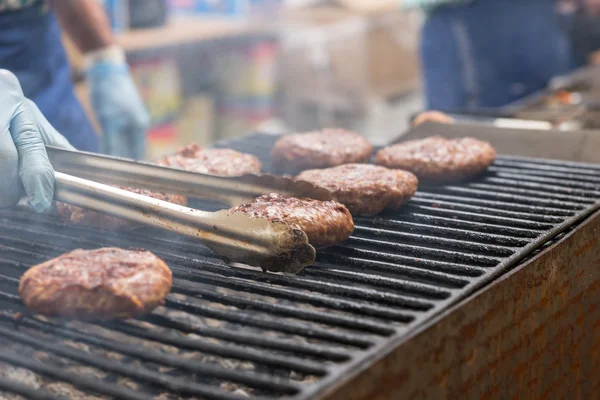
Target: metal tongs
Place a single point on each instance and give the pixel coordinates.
(273, 246)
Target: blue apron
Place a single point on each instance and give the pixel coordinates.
(31, 48)
(491, 53)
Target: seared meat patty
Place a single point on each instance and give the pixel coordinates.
(78, 215)
(439, 160)
(325, 222)
(320, 149)
(365, 189)
(221, 162)
(97, 284)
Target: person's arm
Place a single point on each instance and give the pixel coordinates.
(85, 22)
(114, 97)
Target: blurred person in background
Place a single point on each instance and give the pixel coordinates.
(581, 21)
(31, 48)
(482, 54)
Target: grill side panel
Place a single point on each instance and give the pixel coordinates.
(534, 333)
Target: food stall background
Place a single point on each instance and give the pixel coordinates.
(212, 69)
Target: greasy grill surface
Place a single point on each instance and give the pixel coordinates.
(227, 332)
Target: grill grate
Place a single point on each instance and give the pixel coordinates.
(228, 332)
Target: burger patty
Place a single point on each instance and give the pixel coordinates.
(100, 284)
(320, 149)
(78, 215)
(432, 116)
(221, 162)
(365, 189)
(438, 160)
(325, 222)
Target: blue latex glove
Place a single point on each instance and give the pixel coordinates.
(118, 109)
(24, 132)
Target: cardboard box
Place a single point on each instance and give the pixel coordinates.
(334, 57)
(393, 51)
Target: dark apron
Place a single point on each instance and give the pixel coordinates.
(31, 48)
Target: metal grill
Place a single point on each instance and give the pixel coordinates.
(544, 105)
(227, 332)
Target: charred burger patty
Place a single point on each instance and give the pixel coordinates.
(437, 159)
(325, 223)
(365, 189)
(97, 284)
(221, 162)
(320, 149)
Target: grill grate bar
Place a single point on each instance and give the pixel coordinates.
(309, 331)
(308, 298)
(454, 244)
(229, 351)
(449, 222)
(377, 279)
(499, 205)
(533, 196)
(395, 226)
(339, 320)
(240, 278)
(249, 378)
(10, 297)
(303, 281)
(313, 349)
(27, 391)
(136, 372)
(340, 254)
(571, 188)
(547, 164)
(8, 278)
(492, 211)
(569, 176)
(56, 372)
(483, 218)
(519, 196)
(423, 251)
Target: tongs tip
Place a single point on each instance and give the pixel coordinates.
(296, 254)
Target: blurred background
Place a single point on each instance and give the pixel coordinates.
(216, 69)
(213, 69)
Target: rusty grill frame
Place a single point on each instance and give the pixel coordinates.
(405, 286)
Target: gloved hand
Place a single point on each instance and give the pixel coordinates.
(117, 104)
(23, 160)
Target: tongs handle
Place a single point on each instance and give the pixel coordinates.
(129, 173)
(273, 246)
